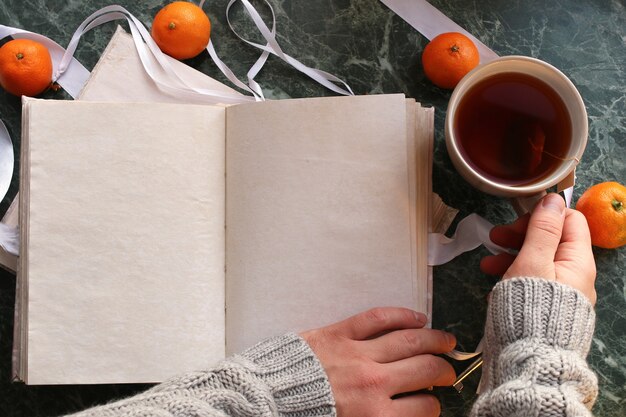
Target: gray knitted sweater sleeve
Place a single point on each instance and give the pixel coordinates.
(277, 377)
(537, 336)
(537, 333)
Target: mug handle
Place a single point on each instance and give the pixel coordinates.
(523, 205)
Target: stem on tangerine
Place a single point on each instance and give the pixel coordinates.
(617, 205)
(454, 48)
(171, 26)
(19, 55)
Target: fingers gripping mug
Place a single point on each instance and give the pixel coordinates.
(515, 127)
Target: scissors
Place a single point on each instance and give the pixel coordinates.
(458, 384)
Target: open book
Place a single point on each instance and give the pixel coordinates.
(195, 231)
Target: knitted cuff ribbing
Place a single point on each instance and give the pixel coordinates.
(557, 314)
(294, 375)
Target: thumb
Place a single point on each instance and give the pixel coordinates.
(545, 227)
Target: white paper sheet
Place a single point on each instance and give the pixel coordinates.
(318, 218)
(120, 76)
(125, 243)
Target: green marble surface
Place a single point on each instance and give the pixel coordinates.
(375, 51)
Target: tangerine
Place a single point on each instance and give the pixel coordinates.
(448, 57)
(181, 29)
(604, 207)
(25, 67)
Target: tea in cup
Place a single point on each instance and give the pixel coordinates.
(515, 127)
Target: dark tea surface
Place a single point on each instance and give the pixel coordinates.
(513, 128)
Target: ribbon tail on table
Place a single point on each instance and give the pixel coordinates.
(7, 160)
(430, 22)
(470, 233)
(9, 239)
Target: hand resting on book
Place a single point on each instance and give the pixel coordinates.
(538, 333)
(373, 356)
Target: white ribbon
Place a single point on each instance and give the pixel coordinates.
(9, 240)
(430, 22)
(154, 62)
(470, 233)
(463, 356)
(258, 65)
(272, 47)
(7, 160)
(568, 193)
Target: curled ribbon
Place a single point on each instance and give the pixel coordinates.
(7, 160)
(154, 62)
(166, 79)
(470, 233)
(322, 77)
(8, 235)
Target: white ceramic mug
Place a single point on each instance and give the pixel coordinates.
(574, 107)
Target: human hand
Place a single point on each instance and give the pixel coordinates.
(553, 243)
(373, 356)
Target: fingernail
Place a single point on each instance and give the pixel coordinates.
(553, 202)
(451, 340)
(421, 318)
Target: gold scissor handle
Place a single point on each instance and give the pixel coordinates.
(458, 384)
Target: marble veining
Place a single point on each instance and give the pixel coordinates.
(375, 51)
